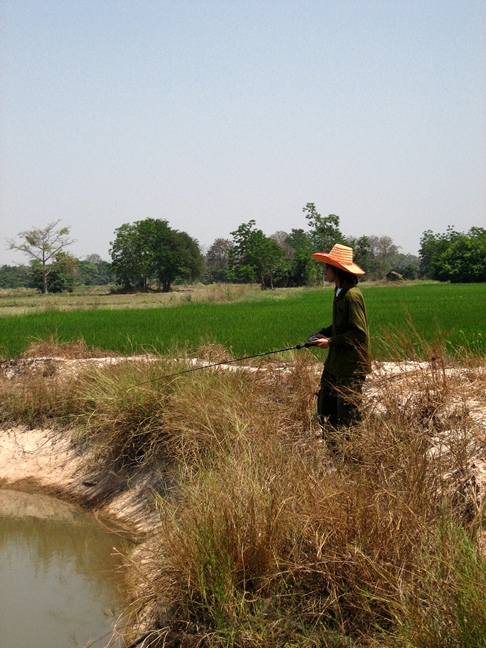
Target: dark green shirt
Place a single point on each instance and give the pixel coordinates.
(349, 349)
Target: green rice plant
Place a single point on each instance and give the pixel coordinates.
(420, 315)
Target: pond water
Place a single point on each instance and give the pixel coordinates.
(60, 575)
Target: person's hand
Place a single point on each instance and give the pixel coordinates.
(317, 339)
(322, 342)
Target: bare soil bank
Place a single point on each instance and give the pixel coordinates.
(43, 462)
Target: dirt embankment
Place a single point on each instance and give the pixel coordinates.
(45, 461)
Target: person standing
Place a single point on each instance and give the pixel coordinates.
(348, 342)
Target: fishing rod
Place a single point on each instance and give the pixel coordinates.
(226, 362)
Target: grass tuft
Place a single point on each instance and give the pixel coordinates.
(262, 541)
(52, 347)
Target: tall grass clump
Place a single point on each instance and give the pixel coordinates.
(32, 394)
(35, 401)
(267, 540)
(136, 414)
(264, 545)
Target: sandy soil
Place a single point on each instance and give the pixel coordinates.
(41, 461)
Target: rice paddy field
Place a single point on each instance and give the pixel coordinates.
(246, 321)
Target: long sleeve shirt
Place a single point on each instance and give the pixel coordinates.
(349, 347)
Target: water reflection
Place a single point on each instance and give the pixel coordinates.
(60, 575)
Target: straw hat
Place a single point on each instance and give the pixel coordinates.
(341, 256)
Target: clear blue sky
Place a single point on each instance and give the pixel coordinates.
(211, 113)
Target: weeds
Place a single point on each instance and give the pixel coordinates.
(52, 347)
(262, 543)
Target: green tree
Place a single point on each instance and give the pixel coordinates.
(303, 269)
(463, 260)
(151, 250)
(324, 230)
(126, 261)
(62, 274)
(14, 276)
(42, 245)
(362, 251)
(299, 239)
(255, 256)
(188, 261)
(93, 271)
(408, 265)
(431, 247)
(454, 256)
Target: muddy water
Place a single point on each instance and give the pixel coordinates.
(60, 576)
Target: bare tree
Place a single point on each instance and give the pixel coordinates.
(93, 258)
(383, 251)
(42, 245)
(217, 260)
(281, 238)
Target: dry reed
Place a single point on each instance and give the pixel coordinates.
(263, 542)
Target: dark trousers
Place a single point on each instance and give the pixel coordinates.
(339, 400)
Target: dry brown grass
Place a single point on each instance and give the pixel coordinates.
(35, 391)
(261, 542)
(22, 301)
(263, 546)
(52, 347)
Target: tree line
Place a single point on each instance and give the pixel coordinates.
(150, 255)
(284, 259)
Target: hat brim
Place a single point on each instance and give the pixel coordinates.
(353, 268)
